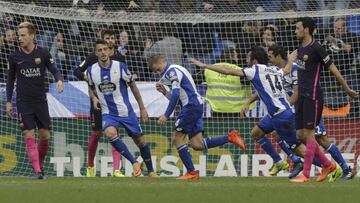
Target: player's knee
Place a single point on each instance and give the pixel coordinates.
(255, 134)
(29, 133)
(323, 141)
(140, 141)
(44, 134)
(197, 146)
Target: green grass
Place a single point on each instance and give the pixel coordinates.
(142, 190)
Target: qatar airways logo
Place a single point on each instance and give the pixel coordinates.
(30, 72)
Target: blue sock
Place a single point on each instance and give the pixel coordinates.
(211, 142)
(146, 155)
(286, 148)
(185, 157)
(317, 162)
(269, 149)
(122, 148)
(337, 156)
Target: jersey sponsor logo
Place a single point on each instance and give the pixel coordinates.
(107, 87)
(37, 60)
(30, 72)
(52, 60)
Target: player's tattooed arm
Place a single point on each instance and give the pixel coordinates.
(135, 90)
(217, 68)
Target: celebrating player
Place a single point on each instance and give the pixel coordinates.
(110, 79)
(189, 121)
(267, 82)
(28, 64)
(95, 115)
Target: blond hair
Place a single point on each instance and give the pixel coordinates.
(29, 26)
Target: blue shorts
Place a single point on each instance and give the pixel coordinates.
(130, 123)
(284, 124)
(190, 120)
(320, 129)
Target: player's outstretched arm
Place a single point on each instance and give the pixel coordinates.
(333, 69)
(218, 68)
(143, 113)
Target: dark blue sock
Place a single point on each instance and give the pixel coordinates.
(269, 149)
(337, 156)
(185, 157)
(317, 162)
(122, 148)
(146, 155)
(286, 148)
(211, 142)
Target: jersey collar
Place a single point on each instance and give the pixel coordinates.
(107, 68)
(166, 69)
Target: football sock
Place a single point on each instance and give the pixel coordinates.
(185, 157)
(266, 144)
(92, 146)
(33, 153)
(116, 158)
(336, 155)
(211, 142)
(43, 148)
(122, 148)
(146, 155)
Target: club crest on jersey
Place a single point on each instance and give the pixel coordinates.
(37, 60)
(306, 57)
(52, 60)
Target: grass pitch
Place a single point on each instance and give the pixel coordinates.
(210, 189)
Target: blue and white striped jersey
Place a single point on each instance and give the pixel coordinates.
(267, 80)
(111, 87)
(290, 80)
(177, 76)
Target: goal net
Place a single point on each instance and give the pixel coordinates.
(210, 31)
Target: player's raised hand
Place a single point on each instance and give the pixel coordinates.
(9, 109)
(60, 86)
(96, 103)
(144, 116)
(353, 94)
(161, 88)
(197, 63)
(292, 57)
(162, 120)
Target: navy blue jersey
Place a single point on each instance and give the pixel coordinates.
(29, 71)
(91, 60)
(311, 60)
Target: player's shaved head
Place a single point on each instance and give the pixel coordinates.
(155, 59)
(157, 63)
